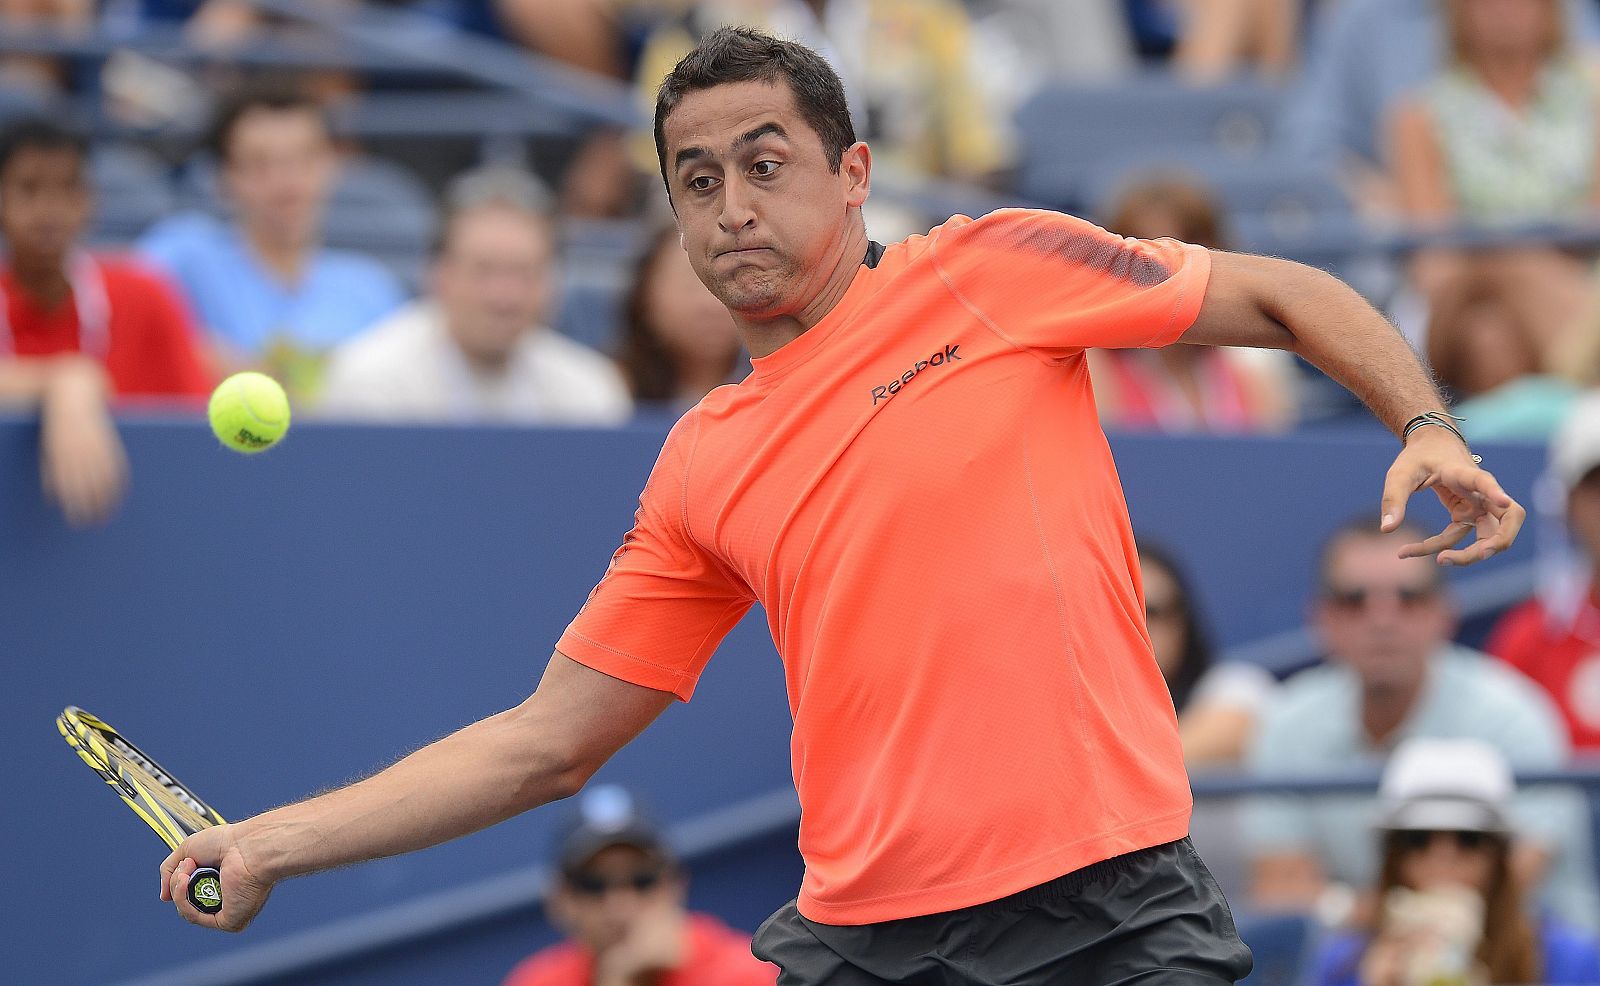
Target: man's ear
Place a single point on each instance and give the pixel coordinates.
(856, 169)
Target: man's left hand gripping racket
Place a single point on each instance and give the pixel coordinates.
(165, 803)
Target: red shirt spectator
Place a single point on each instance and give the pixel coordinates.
(1563, 656)
(717, 956)
(117, 312)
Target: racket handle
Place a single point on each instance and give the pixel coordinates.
(205, 890)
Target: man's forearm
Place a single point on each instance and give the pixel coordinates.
(1346, 338)
(27, 381)
(474, 778)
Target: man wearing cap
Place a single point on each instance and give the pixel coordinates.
(1555, 638)
(1447, 907)
(1393, 674)
(619, 896)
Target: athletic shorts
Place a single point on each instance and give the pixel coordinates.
(1151, 916)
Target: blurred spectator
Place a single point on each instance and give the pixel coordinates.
(1363, 56)
(1553, 639)
(76, 330)
(479, 349)
(40, 72)
(586, 34)
(1217, 704)
(1027, 42)
(679, 341)
(1506, 132)
(266, 288)
(1483, 347)
(1208, 41)
(1393, 674)
(1449, 907)
(1187, 388)
(619, 896)
(908, 67)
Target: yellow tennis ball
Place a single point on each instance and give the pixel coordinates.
(249, 412)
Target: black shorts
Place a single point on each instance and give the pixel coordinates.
(1152, 916)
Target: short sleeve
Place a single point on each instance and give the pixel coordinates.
(1056, 284)
(665, 602)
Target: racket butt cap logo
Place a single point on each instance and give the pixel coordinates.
(205, 890)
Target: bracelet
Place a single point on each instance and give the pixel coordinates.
(1438, 419)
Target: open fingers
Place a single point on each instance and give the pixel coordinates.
(1496, 532)
(1447, 538)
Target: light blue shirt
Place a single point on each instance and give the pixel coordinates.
(251, 308)
(1314, 727)
(1363, 54)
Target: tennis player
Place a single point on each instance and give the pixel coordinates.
(914, 485)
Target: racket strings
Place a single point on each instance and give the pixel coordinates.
(153, 797)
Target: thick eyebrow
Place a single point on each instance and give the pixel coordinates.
(745, 139)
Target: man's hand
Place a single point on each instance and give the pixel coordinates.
(244, 890)
(82, 463)
(657, 942)
(1435, 458)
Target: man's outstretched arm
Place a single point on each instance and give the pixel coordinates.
(541, 751)
(1279, 304)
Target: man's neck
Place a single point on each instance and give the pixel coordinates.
(763, 337)
(42, 279)
(283, 255)
(1386, 707)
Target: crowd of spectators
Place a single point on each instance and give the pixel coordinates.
(1434, 117)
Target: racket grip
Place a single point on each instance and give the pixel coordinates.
(205, 889)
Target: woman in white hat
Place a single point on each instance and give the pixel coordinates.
(1450, 909)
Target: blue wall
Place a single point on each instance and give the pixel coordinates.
(274, 625)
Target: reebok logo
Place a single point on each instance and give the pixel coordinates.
(947, 355)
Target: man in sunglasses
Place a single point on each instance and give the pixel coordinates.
(1393, 674)
(619, 897)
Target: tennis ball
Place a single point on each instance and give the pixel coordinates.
(249, 412)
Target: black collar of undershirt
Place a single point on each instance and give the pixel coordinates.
(874, 254)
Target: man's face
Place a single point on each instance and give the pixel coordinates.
(1583, 514)
(44, 203)
(598, 905)
(1381, 614)
(762, 211)
(494, 279)
(279, 171)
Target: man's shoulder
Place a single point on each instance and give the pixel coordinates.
(551, 347)
(1487, 682)
(345, 269)
(188, 237)
(400, 339)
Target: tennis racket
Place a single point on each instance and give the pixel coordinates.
(165, 803)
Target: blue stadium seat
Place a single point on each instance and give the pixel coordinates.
(1280, 943)
(1066, 131)
(133, 188)
(597, 262)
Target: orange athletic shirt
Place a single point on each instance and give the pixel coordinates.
(918, 492)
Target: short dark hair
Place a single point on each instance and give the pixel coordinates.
(278, 97)
(1365, 528)
(39, 134)
(740, 54)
